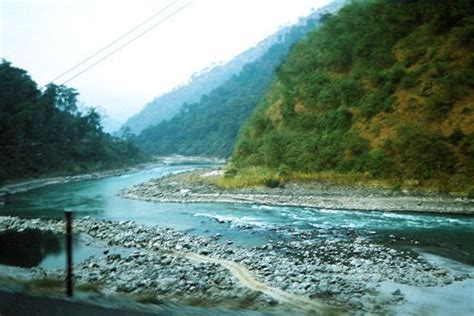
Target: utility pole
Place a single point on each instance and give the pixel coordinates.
(69, 275)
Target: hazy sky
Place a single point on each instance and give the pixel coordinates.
(47, 37)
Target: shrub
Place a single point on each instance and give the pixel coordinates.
(375, 103)
(230, 172)
(273, 183)
(377, 163)
(284, 171)
(440, 104)
(413, 55)
(397, 187)
(147, 297)
(47, 283)
(424, 155)
(409, 80)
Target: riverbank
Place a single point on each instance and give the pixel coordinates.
(26, 185)
(200, 187)
(13, 187)
(304, 274)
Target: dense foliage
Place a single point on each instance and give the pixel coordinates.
(383, 88)
(210, 127)
(45, 133)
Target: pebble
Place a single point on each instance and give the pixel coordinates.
(339, 269)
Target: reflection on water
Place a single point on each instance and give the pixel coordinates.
(36, 248)
(27, 248)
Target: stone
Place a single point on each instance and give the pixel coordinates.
(447, 281)
(166, 261)
(271, 301)
(397, 292)
(204, 251)
(93, 265)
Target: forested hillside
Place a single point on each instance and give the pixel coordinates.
(170, 104)
(383, 90)
(210, 127)
(43, 133)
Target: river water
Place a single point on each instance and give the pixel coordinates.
(446, 235)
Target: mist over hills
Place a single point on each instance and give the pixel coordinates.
(168, 105)
(209, 127)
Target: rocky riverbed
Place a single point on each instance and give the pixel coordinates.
(199, 186)
(303, 273)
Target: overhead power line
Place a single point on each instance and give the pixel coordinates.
(127, 43)
(108, 55)
(118, 39)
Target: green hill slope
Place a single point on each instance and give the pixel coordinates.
(168, 105)
(210, 126)
(382, 91)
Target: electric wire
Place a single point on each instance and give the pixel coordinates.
(109, 54)
(127, 43)
(118, 39)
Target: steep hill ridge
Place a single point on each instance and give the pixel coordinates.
(383, 91)
(168, 105)
(210, 126)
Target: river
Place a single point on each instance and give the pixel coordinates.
(249, 225)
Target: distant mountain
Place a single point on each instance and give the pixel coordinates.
(169, 104)
(382, 91)
(210, 126)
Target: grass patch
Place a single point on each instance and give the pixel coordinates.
(192, 177)
(242, 302)
(196, 178)
(262, 177)
(200, 301)
(89, 287)
(47, 283)
(147, 297)
(247, 300)
(250, 177)
(331, 177)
